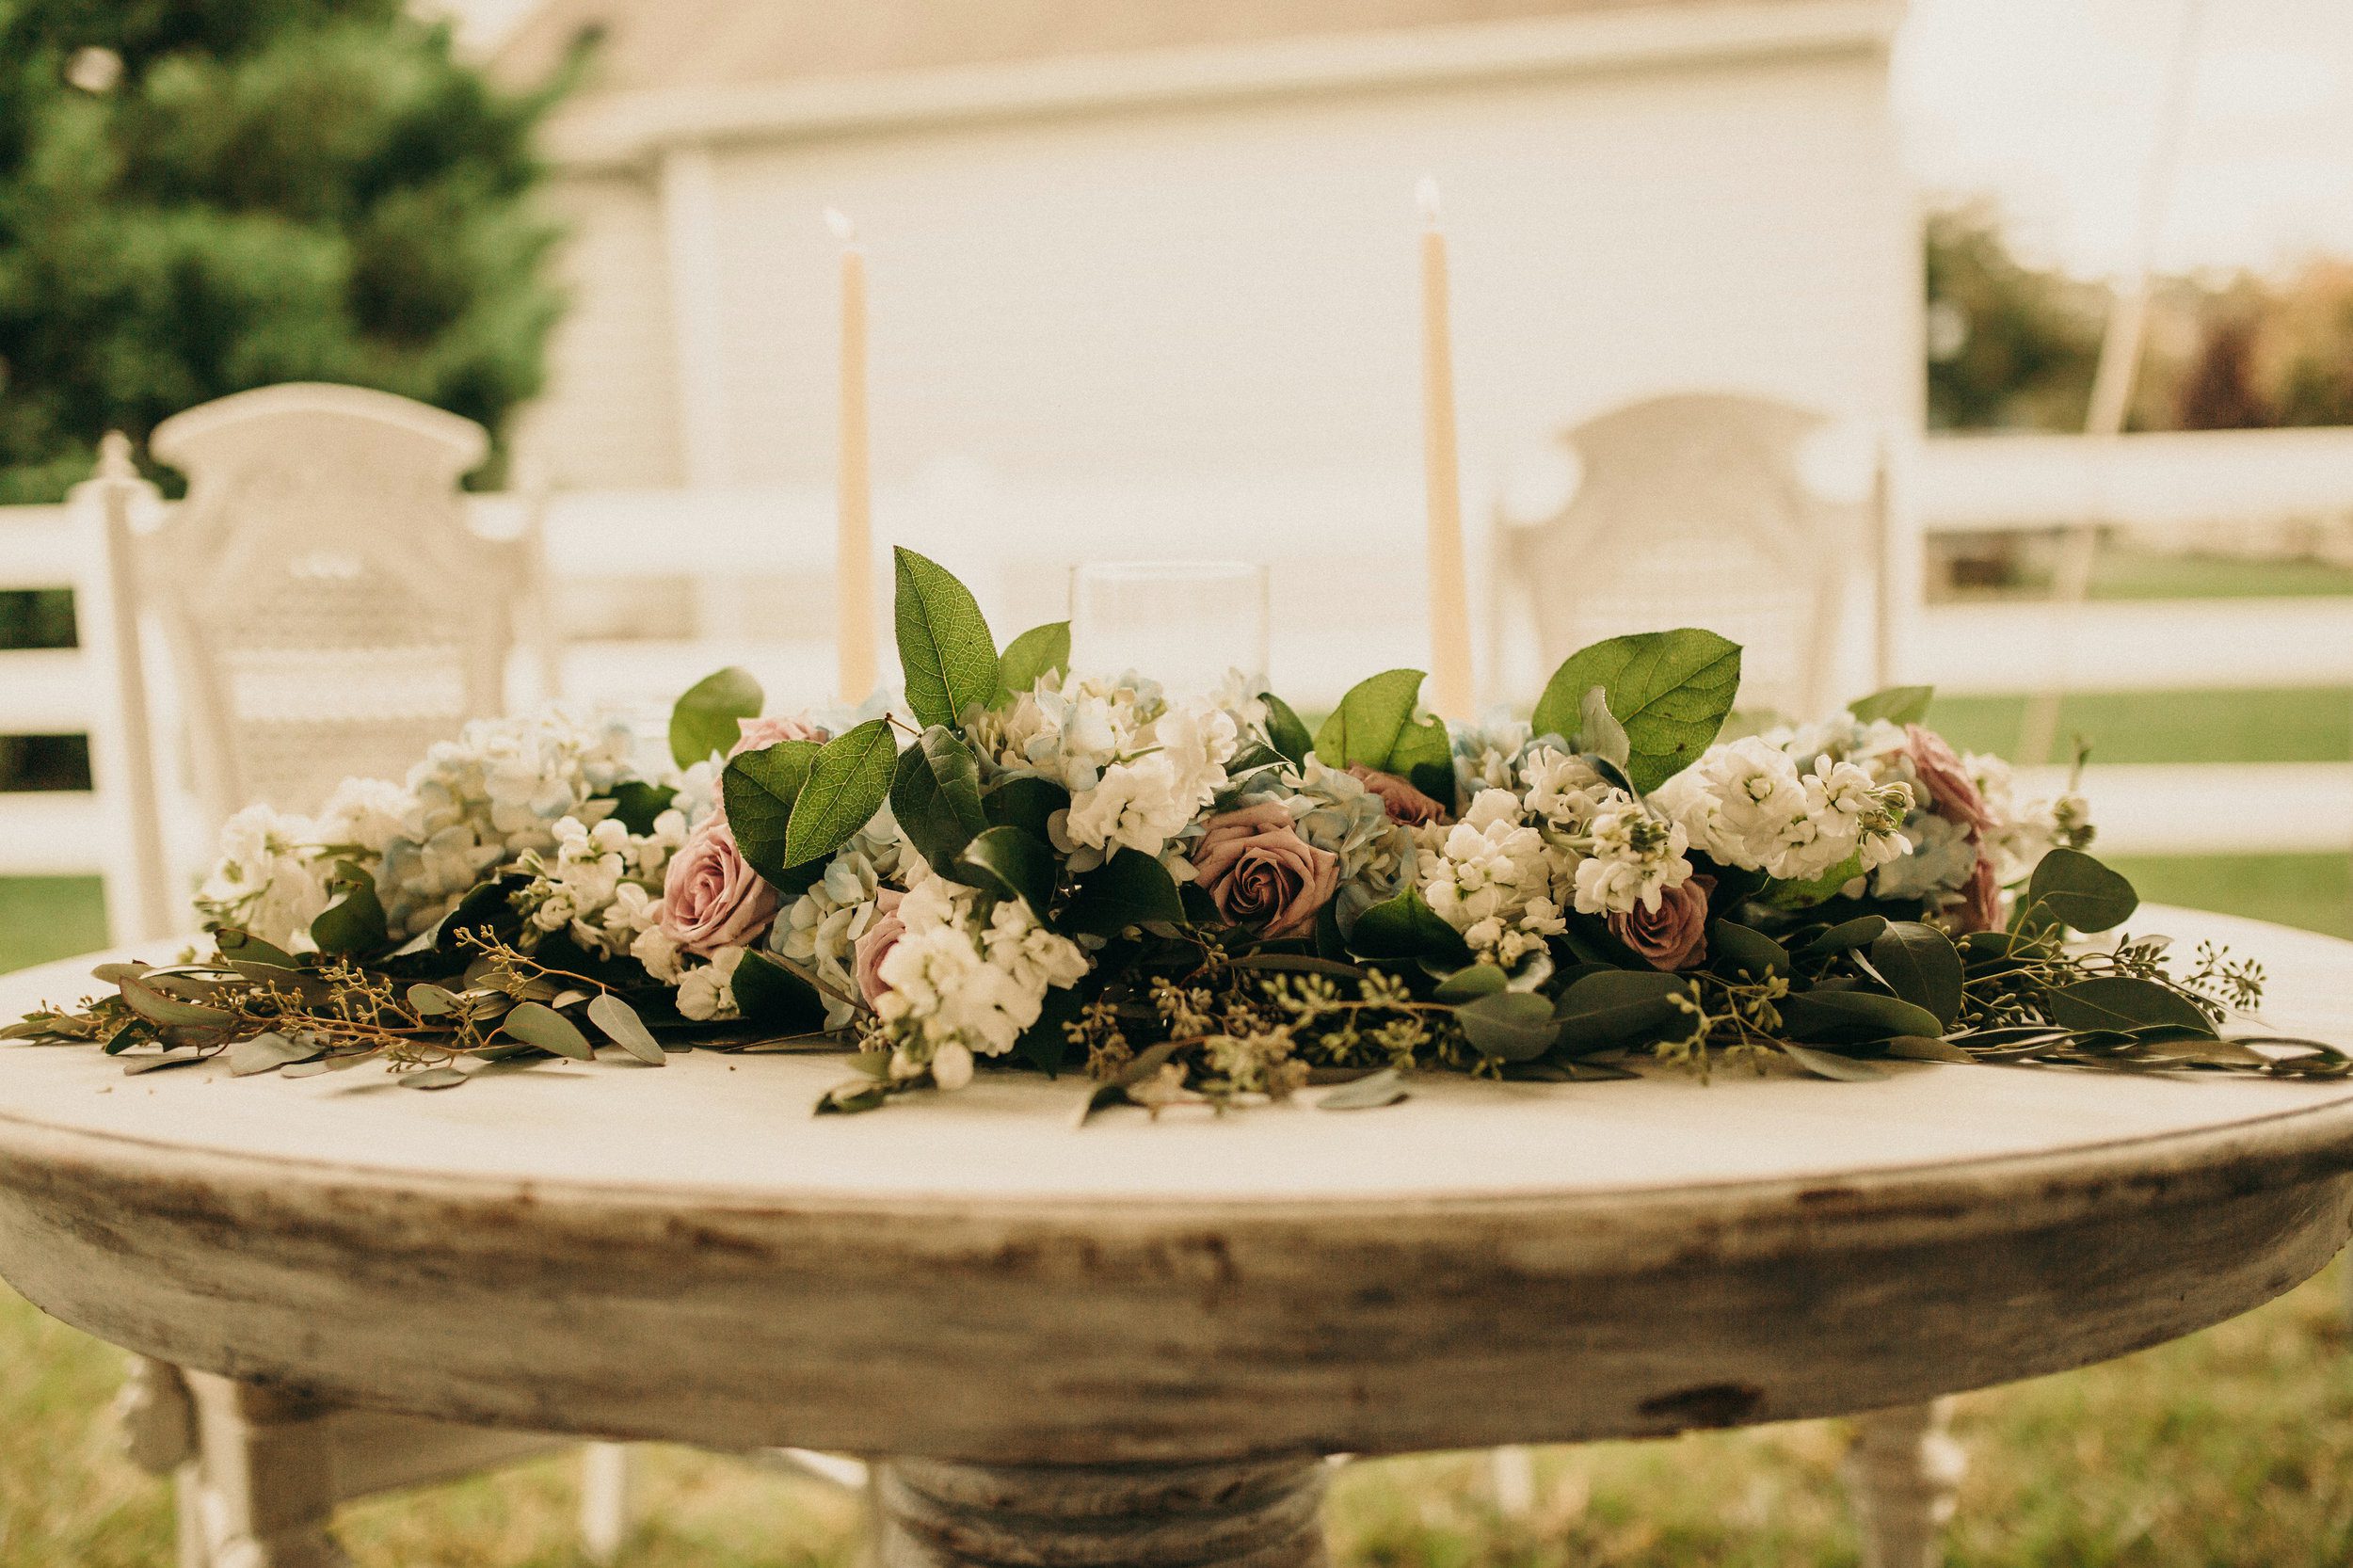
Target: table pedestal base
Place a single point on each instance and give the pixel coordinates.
(1261, 1513)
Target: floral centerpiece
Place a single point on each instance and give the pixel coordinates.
(1184, 898)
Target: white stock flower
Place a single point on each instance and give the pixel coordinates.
(707, 991)
(1745, 804)
(1632, 858)
(1942, 858)
(1490, 877)
(654, 949)
(270, 879)
(956, 981)
(1563, 789)
(365, 814)
(820, 929)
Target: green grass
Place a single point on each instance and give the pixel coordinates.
(2124, 570)
(44, 917)
(2232, 1449)
(2313, 724)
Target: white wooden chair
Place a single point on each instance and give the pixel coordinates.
(326, 612)
(1697, 509)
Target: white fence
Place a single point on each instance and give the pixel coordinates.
(685, 581)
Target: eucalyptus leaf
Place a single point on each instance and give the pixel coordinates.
(1508, 1026)
(1130, 889)
(772, 997)
(1861, 932)
(848, 782)
(1735, 950)
(1040, 651)
(1369, 1093)
(1854, 1018)
(1670, 691)
(945, 650)
(848, 1099)
(265, 1053)
(1010, 863)
(429, 1000)
(1895, 704)
(1920, 965)
(1925, 1047)
(156, 1007)
(310, 988)
(2126, 1002)
(624, 1027)
(1825, 1063)
(705, 720)
(758, 789)
(1467, 985)
(935, 796)
(2071, 889)
(133, 1065)
(234, 944)
(1616, 1006)
(434, 1077)
(535, 1023)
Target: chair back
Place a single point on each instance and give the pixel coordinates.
(328, 609)
(1692, 511)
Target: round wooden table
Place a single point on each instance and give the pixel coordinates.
(1131, 1342)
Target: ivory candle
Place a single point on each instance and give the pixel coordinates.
(853, 550)
(1449, 595)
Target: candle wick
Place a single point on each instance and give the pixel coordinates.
(844, 229)
(1426, 195)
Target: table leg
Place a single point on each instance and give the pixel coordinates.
(1238, 1515)
(1901, 1474)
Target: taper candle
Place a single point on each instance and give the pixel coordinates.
(853, 550)
(1450, 693)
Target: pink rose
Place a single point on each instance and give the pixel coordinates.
(1405, 804)
(1952, 793)
(1675, 935)
(711, 899)
(1980, 905)
(760, 734)
(1257, 867)
(875, 943)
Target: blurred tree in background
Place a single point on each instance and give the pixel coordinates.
(2007, 345)
(202, 195)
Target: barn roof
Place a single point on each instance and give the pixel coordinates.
(657, 45)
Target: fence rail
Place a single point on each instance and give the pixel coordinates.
(720, 559)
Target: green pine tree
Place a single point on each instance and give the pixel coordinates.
(202, 195)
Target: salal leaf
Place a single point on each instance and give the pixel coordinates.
(624, 1027)
(1028, 803)
(637, 802)
(1027, 658)
(1374, 726)
(2071, 889)
(848, 780)
(704, 719)
(1612, 1007)
(1129, 888)
(770, 996)
(1469, 984)
(1920, 965)
(2126, 1002)
(1010, 863)
(1854, 1018)
(1735, 950)
(353, 922)
(1405, 928)
(1508, 1026)
(1895, 704)
(1845, 936)
(534, 1023)
(1670, 690)
(1288, 733)
(758, 789)
(945, 649)
(936, 795)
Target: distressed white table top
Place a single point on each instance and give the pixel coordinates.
(741, 1125)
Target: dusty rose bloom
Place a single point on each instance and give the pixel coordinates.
(711, 899)
(1951, 792)
(1405, 804)
(1675, 935)
(1256, 868)
(760, 734)
(875, 943)
(1980, 905)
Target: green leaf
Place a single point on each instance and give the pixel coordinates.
(2125, 1002)
(266, 1053)
(1027, 802)
(1468, 984)
(434, 1077)
(1854, 1018)
(944, 645)
(1804, 895)
(1129, 888)
(1825, 1063)
(704, 719)
(936, 795)
(1615, 1006)
(1037, 653)
(1287, 731)
(771, 996)
(1406, 928)
(487, 907)
(2071, 889)
(1045, 1044)
(1736, 949)
(1922, 966)
(624, 1027)
(1371, 720)
(429, 1001)
(234, 944)
(637, 802)
(354, 922)
(1845, 936)
(534, 1023)
(1508, 1026)
(1424, 758)
(847, 783)
(758, 790)
(1670, 690)
(1368, 1092)
(1599, 731)
(1010, 863)
(1926, 1048)
(1895, 704)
